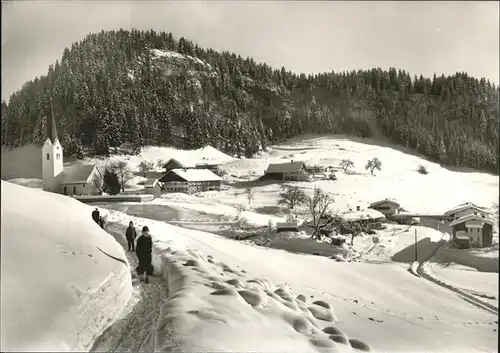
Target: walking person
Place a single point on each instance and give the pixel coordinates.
(96, 215)
(130, 234)
(144, 250)
(102, 222)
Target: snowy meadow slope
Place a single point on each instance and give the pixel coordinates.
(59, 291)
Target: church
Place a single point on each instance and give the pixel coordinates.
(78, 179)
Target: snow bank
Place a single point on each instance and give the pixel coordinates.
(213, 307)
(59, 291)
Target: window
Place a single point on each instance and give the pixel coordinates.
(48, 157)
(58, 156)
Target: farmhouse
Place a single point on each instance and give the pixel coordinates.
(152, 187)
(81, 179)
(387, 207)
(473, 230)
(286, 171)
(190, 180)
(465, 209)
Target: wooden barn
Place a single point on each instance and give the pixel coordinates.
(190, 181)
(295, 171)
(473, 231)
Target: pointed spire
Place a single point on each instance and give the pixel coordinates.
(52, 127)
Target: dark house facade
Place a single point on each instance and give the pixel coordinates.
(472, 231)
(190, 181)
(295, 171)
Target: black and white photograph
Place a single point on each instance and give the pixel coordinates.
(250, 176)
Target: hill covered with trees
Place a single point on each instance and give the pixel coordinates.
(143, 87)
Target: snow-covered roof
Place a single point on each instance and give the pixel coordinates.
(77, 174)
(472, 217)
(465, 206)
(184, 162)
(362, 215)
(385, 201)
(285, 167)
(196, 174)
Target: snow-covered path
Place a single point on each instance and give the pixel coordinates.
(135, 329)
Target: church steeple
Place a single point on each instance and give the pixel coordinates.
(52, 130)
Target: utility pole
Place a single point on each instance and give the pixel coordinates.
(416, 253)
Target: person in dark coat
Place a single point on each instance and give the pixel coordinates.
(102, 222)
(144, 250)
(130, 234)
(95, 215)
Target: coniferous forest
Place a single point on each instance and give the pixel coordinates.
(143, 88)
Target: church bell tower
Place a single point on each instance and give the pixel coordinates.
(52, 156)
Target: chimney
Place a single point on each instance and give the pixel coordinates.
(358, 208)
(291, 161)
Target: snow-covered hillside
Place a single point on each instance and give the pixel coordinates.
(230, 296)
(436, 192)
(60, 287)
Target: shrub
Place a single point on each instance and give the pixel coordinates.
(422, 170)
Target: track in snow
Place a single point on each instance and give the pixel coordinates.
(135, 329)
(462, 294)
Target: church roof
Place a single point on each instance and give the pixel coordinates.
(77, 174)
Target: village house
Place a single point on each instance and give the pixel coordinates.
(79, 179)
(190, 181)
(152, 187)
(465, 209)
(473, 230)
(295, 171)
(386, 207)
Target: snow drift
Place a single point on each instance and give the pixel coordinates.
(62, 284)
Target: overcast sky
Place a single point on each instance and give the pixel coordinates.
(420, 37)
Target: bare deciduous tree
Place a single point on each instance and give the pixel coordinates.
(373, 164)
(123, 172)
(345, 164)
(159, 163)
(293, 196)
(250, 195)
(145, 166)
(318, 205)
